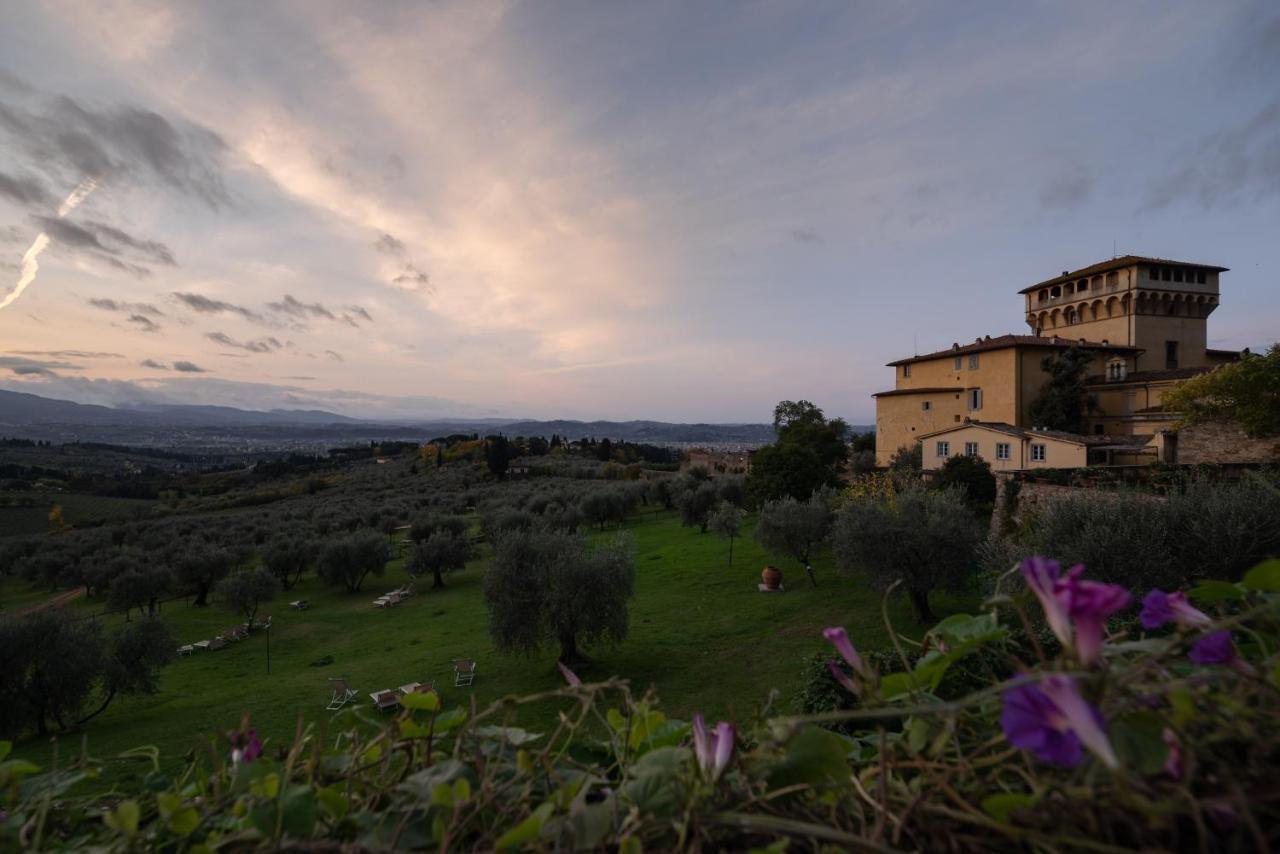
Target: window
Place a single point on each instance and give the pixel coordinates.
(1171, 355)
(1199, 277)
(958, 362)
(1002, 450)
(926, 405)
(1177, 274)
(1069, 315)
(1113, 279)
(944, 450)
(1099, 429)
(975, 399)
(973, 362)
(1037, 453)
(1165, 273)
(1154, 274)
(970, 449)
(906, 371)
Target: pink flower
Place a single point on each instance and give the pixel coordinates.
(712, 749)
(1041, 575)
(1214, 648)
(569, 675)
(245, 746)
(1076, 609)
(1089, 604)
(1051, 719)
(862, 674)
(1159, 608)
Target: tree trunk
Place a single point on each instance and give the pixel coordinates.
(569, 650)
(105, 702)
(731, 551)
(808, 568)
(202, 596)
(920, 606)
(439, 578)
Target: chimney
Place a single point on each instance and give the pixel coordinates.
(1066, 272)
(955, 345)
(1106, 343)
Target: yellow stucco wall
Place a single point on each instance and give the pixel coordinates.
(1058, 454)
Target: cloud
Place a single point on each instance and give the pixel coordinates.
(360, 312)
(133, 307)
(258, 345)
(336, 356)
(206, 305)
(32, 367)
(806, 235)
(188, 367)
(144, 323)
(106, 242)
(120, 144)
(1225, 166)
(153, 364)
(1067, 191)
(389, 245)
(295, 308)
(24, 190)
(68, 354)
(411, 279)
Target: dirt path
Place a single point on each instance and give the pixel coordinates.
(60, 599)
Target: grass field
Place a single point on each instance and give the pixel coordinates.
(701, 634)
(77, 510)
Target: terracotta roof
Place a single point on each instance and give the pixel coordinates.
(900, 391)
(1139, 377)
(1002, 341)
(1118, 264)
(1024, 432)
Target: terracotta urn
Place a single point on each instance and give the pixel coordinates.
(772, 577)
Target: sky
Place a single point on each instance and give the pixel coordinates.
(673, 211)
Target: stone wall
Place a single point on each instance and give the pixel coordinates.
(1222, 443)
(1033, 496)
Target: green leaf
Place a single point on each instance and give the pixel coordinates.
(450, 720)
(333, 801)
(5, 747)
(427, 702)
(649, 785)
(917, 734)
(1139, 742)
(298, 811)
(1001, 806)
(184, 821)
(1264, 577)
(124, 818)
(616, 721)
(816, 756)
(1210, 592)
(526, 831)
(513, 735)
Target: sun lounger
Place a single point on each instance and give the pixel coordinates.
(342, 693)
(300, 605)
(217, 643)
(385, 699)
(186, 649)
(464, 672)
(201, 645)
(427, 687)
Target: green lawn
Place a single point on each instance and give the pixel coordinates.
(701, 634)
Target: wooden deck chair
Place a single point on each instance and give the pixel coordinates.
(385, 699)
(342, 693)
(464, 672)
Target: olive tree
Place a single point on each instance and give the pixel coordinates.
(726, 522)
(696, 501)
(926, 538)
(245, 592)
(795, 529)
(350, 560)
(203, 567)
(547, 588)
(441, 552)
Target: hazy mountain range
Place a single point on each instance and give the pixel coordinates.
(32, 416)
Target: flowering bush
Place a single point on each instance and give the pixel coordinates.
(1161, 737)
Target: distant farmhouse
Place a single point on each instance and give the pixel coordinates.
(1142, 320)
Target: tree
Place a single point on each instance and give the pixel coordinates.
(350, 560)
(443, 551)
(287, 559)
(807, 455)
(548, 588)
(696, 501)
(201, 568)
(908, 458)
(973, 476)
(245, 592)
(136, 583)
(132, 664)
(726, 522)
(1060, 405)
(497, 455)
(924, 537)
(1246, 393)
(795, 528)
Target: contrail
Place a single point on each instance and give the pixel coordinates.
(31, 258)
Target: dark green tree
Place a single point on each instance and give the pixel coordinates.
(1060, 405)
(497, 455)
(442, 552)
(245, 592)
(548, 588)
(1246, 393)
(973, 476)
(350, 560)
(807, 455)
(795, 529)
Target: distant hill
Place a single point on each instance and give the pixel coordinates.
(644, 431)
(22, 409)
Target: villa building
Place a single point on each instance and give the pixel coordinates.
(1143, 321)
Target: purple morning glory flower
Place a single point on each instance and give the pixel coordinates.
(1041, 575)
(569, 675)
(245, 746)
(1214, 648)
(862, 674)
(1052, 720)
(1159, 608)
(1089, 604)
(712, 749)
